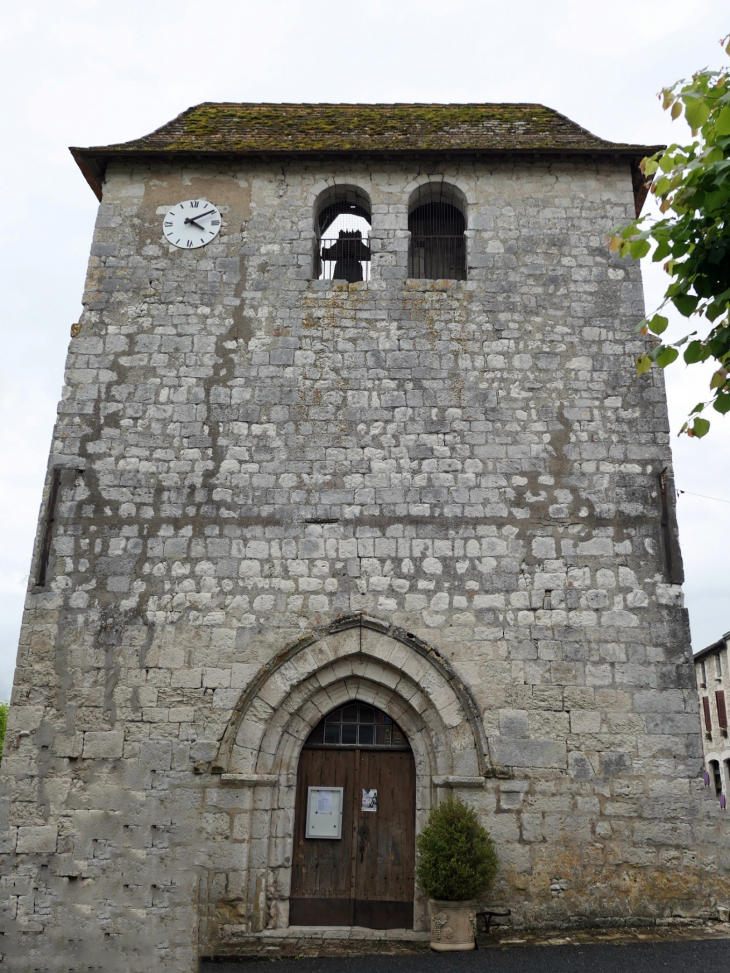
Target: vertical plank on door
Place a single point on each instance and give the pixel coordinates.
(386, 853)
(321, 868)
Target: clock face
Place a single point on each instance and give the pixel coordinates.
(192, 224)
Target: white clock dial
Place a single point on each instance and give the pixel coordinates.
(192, 224)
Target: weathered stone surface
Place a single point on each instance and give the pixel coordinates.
(34, 840)
(470, 466)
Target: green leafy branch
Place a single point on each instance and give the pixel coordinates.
(692, 184)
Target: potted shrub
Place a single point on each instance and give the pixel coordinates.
(456, 865)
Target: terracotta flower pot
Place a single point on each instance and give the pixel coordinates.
(453, 925)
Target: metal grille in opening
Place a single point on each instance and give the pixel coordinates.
(358, 725)
(438, 248)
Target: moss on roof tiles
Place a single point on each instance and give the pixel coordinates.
(243, 128)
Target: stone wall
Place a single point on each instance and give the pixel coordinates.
(468, 471)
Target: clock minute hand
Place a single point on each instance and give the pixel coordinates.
(192, 219)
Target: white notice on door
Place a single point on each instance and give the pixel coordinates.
(324, 802)
(369, 800)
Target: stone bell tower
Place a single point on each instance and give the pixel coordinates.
(354, 501)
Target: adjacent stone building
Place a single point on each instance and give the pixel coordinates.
(711, 671)
(362, 473)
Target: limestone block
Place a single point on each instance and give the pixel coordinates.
(513, 723)
(103, 744)
(579, 766)
(585, 721)
(24, 718)
(528, 753)
(68, 745)
(37, 840)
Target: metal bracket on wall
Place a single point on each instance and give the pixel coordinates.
(666, 533)
(45, 555)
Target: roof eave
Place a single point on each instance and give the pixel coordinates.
(92, 171)
(93, 162)
(715, 647)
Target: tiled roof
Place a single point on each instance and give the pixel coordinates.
(214, 128)
(231, 127)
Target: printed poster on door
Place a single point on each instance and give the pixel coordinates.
(324, 802)
(369, 800)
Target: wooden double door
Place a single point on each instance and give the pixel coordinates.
(364, 878)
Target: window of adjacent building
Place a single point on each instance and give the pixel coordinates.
(721, 711)
(718, 666)
(703, 671)
(716, 776)
(437, 223)
(342, 225)
(706, 711)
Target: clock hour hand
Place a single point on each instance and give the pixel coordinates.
(192, 222)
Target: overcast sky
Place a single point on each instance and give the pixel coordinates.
(87, 72)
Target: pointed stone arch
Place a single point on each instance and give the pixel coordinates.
(355, 657)
(418, 669)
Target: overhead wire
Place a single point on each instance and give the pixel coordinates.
(703, 495)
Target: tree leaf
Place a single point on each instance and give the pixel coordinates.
(684, 303)
(667, 356)
(693, 353)
(696, 112)
(690, 236)
(722, 124)
(718, 379)
(658, 324)
(639, 249)
(713, 311)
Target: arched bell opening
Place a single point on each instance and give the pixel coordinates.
(353, 856)
(342, 225)
(437, 224)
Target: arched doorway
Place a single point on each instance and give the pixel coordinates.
(354, 658)
(354, 828)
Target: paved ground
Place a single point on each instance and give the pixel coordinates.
(708, 956)
(644, 951)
